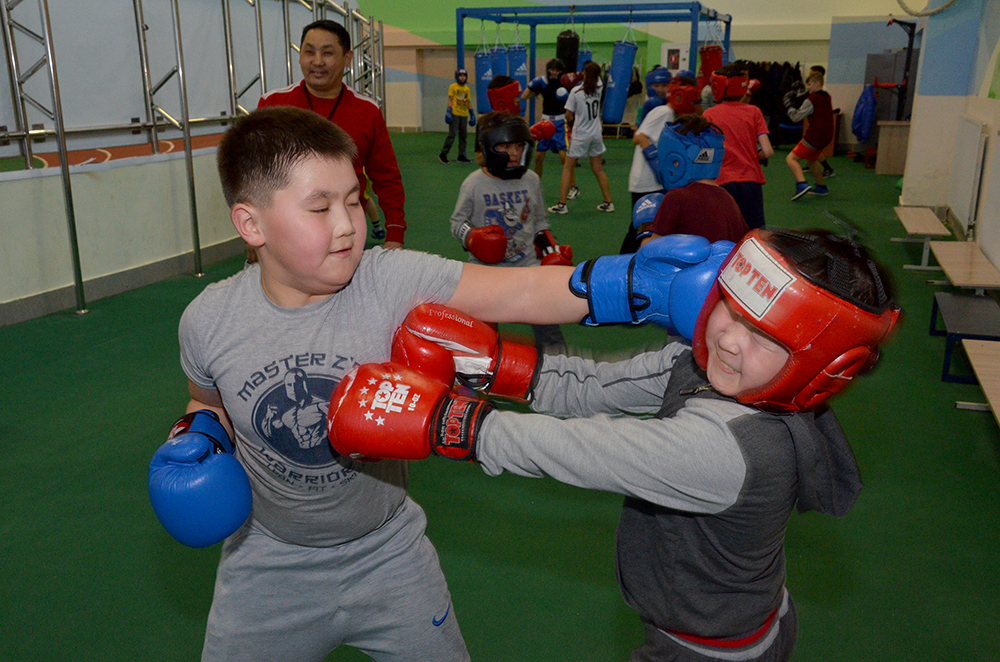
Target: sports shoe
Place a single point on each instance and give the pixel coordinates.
(606, 206)
(378, 231)
(574, 193)
(801, 188)
(463, 159)
(559, 209)
(829, 173)
(819, 190)
(443, 158)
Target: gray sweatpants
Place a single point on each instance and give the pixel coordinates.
(384, 594)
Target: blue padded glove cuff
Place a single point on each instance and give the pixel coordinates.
(605, 282)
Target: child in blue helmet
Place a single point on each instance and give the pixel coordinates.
(458, 116)
(689, 159)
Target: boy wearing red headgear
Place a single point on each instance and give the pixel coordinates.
(747, 142)
(737, 436)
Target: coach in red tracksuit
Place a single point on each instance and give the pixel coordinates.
(324, 54)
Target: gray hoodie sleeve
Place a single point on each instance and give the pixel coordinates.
(690, 462)
(573, 386)
(802, 112)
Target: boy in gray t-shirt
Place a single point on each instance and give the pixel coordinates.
(500, 213)
(320, 551)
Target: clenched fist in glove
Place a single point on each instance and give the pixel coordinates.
(436, 339)
(663, 282)
(488, 243)
(198, 489)
(542, 130)
(550, 252)
(388, 411)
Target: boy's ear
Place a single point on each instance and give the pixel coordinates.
(244, 218)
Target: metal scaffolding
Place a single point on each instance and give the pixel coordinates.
(366, 76)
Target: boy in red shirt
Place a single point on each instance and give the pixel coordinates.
(747, 142)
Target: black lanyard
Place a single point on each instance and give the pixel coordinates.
(335, 106)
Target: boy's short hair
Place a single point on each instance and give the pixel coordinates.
(500, 80)
(815, 76)
(256, 155)
(732, 69)
(818, 68)
(338, 31)
(694, 123)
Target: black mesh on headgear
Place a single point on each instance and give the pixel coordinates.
(804, 248)
(505, 128)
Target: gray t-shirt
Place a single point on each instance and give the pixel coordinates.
(516, 205)
(276, 369)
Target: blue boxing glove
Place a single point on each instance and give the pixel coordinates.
(653, 158)
(691, 287)
(637, 288)
(537, 84)
(472, 117)
(199, 490)
(448, 117)
(644, 213)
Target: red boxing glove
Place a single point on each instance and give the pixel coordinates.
(488, 244)
(424, 356)
(388, 411)
(550, 252)
(571, 80)
(480, 358)
(543, 130)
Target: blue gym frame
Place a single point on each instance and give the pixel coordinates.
(669, 12)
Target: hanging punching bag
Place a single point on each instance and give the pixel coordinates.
(710, 59)
(619, 78)
(584, 56)
(517, 67)
(484, 74)
(499, 58)
(567, 48)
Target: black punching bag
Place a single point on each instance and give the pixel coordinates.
(568, 48)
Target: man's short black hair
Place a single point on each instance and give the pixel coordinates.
(338, 30)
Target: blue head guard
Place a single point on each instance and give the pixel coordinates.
(687, 158)
(656, 75)
(461, 72)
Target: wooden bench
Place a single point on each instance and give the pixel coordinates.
(964, 316)
(922, 226)
(976, 315)
(985, 358)
(965, 265)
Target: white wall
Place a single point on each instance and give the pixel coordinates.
(129, 214)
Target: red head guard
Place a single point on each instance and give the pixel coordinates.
(506, 99)
(829, 337)
(729, 86)
(682, 97)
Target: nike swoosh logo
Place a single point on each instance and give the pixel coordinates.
(438, 621)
